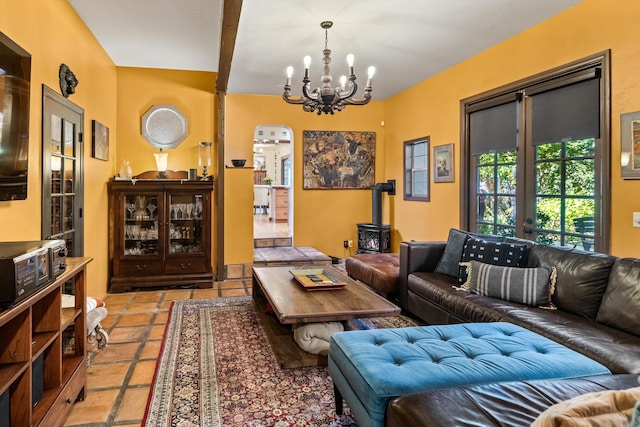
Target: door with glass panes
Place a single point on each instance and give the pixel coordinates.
(62, 171)
(538, 159)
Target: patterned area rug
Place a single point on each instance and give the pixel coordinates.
(216, 368)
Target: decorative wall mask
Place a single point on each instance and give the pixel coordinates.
(68, 81)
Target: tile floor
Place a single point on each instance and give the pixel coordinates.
(119, 377)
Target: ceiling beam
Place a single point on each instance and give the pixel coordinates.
(230, 20)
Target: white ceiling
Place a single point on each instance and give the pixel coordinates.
(406, 40)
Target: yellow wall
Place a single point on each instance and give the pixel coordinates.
(192, 92)
(433, 108)
(53, 34)
(323, 218)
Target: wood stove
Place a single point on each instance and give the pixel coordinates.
(376, 237)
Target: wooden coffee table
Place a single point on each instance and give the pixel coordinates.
(292, 304)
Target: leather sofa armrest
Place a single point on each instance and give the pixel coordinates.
(416, 256)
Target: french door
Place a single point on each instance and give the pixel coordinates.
(535, 158)
(62, 171)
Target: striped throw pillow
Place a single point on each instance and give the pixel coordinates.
(530, 286)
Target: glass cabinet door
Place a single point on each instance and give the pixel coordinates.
(62, 172)
(141, 224)
(185, 223)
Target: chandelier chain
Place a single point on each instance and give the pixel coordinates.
(326, 38)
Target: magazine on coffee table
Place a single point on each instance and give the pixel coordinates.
(317, 279)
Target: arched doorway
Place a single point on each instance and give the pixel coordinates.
(273, 186)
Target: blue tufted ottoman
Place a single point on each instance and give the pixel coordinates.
(369, 368)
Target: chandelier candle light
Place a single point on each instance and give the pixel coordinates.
(326, 99)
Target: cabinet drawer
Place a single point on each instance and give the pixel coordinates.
(185, 266)
(59, 410)
(140, 268)
(282, 202)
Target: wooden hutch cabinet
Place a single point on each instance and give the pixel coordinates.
(160, 233)
(43, 352)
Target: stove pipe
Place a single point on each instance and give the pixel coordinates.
(376, 199)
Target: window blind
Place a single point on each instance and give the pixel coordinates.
(567, 113)
(494, 128)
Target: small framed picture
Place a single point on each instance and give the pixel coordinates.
(443, 163)
(100, 141)
(630, 145)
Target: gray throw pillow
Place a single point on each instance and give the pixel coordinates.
(530, 286)
(452, 255)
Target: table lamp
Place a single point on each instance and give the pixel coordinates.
(204, 159)
(161, 164)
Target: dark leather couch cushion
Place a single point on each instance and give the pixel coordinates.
(513, 404)
(620, 306)
(617, 350)
(582, 277)
(434, 299)
(438, 290)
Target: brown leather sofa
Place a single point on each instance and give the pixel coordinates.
(510, 404)
(598, 314)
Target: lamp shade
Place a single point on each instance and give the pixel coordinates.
(204, 154)
(161, 161)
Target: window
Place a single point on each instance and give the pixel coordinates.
(496, 195)
(416, 169)
(536, 158)
(286, 171)
(565, 193)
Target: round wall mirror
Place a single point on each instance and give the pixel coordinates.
(164, 126)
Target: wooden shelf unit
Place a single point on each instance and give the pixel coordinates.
(33, 329)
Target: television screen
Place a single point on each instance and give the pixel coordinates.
(15, 77)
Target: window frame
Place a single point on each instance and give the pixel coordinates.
(558, 76)
(409, 169)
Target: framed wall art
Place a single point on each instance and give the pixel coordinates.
(630, 145)
(100, 141)
(338, 159)
(443, 163)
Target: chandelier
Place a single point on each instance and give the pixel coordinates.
(326, 99)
